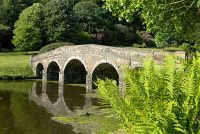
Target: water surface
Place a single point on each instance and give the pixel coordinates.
(26, 107)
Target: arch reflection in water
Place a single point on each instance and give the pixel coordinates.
(65, 104)
(52, 92)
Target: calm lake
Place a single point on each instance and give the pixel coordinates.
(27, 107)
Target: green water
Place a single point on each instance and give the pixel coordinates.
(27, 107)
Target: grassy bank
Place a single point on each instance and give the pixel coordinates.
(15, 65)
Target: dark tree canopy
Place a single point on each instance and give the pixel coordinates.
(60, 20)
(92, 18)
(10, 10)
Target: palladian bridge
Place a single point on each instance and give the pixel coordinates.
(85, 63)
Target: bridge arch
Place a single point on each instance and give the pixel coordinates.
(75, 71)
(105, 69)
(53, 70)
(39, 70)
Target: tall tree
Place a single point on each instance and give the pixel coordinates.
(92, 18)
(10, 10)
(28, 29)
(60, 20)
(167, 18)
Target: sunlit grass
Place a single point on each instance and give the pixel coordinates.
(15, 65)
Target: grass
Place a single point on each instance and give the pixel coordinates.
(171, 49)
(15, 65)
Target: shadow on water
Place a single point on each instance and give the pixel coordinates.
(26, 107)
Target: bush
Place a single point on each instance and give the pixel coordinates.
(145, 37)
(139, 45)
(53, 46)
(197, 47)
(185, 46)
(158, 99)
(82, 38)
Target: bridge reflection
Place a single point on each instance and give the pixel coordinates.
(60, 100)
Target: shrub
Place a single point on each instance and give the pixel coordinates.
(139, 45)
(158, 99)
(197, 47)
(53, 46)
(82, 38)
(185, 46)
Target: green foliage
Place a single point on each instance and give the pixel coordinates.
(60, 20)
(5, 36)
(92, 18)
(120, 35)
(197, 47)
(179, 18)
(158, 99)
(28, 29)
(53, 46)
(185, 46)
(10, 10)
(139, 45)
(82, 38)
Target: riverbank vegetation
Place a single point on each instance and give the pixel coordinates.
(158, 99)
(15, 65)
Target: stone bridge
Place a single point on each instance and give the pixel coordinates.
(86, 63)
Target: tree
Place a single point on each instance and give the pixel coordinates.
(10, 10)
(28, 29)
(167, 18)
(92, 18)
(60, 20)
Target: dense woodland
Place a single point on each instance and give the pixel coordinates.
(31, 24)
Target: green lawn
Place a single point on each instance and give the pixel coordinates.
(15, 65)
